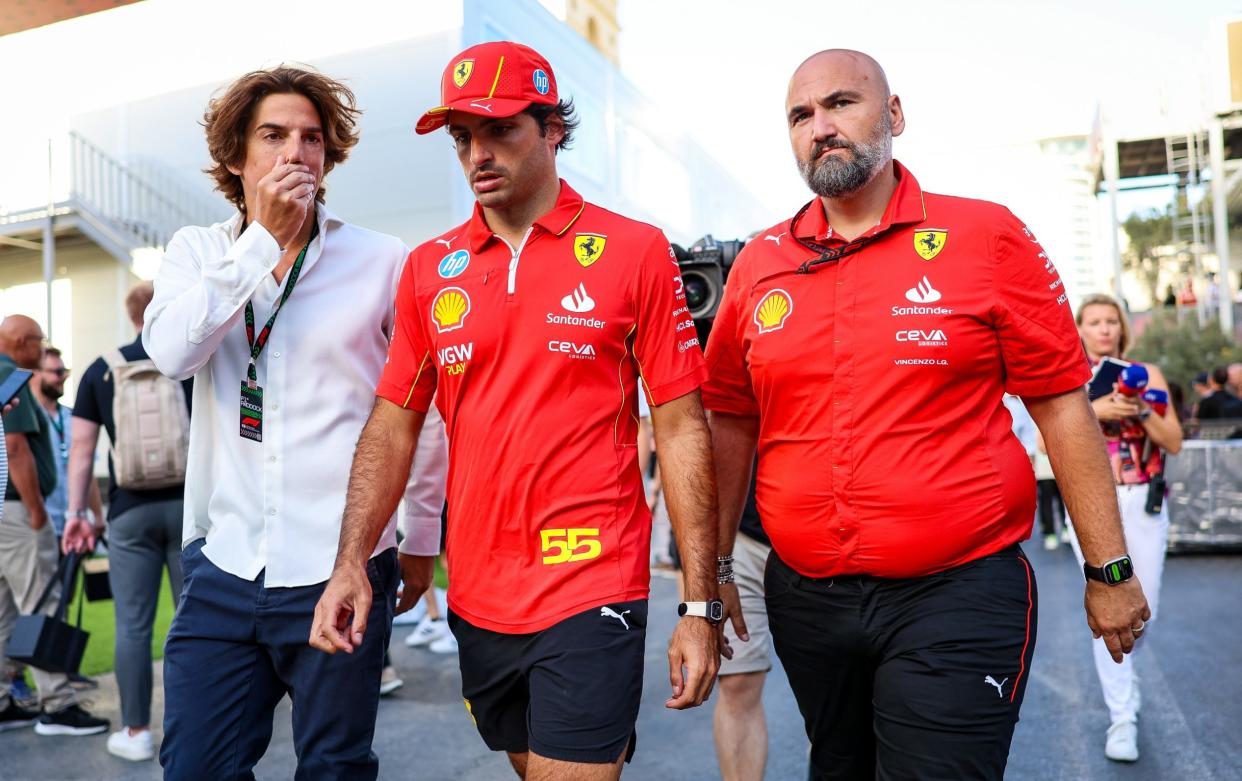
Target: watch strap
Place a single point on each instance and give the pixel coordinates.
(693, 609)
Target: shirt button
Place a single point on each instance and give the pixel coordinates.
(275, 407)
(271, 459)
(276, 355)
(272, 511)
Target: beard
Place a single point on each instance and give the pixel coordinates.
(833, 177)
(51, 391)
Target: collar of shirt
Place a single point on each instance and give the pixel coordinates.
(235, 224)
(569, 206)
(905, 207)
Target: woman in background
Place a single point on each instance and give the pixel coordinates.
(1138, 435)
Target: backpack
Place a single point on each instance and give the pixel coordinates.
(152, 425)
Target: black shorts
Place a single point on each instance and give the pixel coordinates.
(912, 678)
(569, 692)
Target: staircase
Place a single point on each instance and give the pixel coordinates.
(114, 206)
(1187, 156)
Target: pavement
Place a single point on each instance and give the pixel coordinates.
(1192, 702)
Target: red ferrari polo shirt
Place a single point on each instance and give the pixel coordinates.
(533, 355)
(884, 448)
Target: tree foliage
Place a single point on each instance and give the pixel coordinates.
(1183, 349)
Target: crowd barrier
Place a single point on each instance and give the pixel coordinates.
(1205, 489)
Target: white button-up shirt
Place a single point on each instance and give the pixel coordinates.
(276, 505)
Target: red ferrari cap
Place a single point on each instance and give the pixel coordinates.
(495, 79)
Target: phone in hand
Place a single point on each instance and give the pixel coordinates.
(13, 384)
(1107, 372)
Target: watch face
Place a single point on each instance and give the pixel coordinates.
(1118, 571)
(715, 611)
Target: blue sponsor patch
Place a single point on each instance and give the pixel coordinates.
(454, 263)
(542, 83)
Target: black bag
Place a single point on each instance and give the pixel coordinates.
(95, 582)
(49, 642)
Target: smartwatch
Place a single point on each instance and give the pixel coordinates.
(712, 610)
(1114, 572)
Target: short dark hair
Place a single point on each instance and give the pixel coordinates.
(1220, 375)
(51, 352)
(564, 110)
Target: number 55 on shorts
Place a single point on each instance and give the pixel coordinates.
(564, 545)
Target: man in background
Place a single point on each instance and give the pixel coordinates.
(28, 554)
(48, 386)
(144, 534)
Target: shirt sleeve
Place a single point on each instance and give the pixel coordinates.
(728, 387)
(199, 295)
(666, 343)
(424, 493)
(22, 419)
(1039, 342)
(86, 405)
(409, 378)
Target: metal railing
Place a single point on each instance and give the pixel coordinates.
(146, 214)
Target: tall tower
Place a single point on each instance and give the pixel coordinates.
(595, 20)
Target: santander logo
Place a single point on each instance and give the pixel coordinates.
(923, 293)
(578, 301)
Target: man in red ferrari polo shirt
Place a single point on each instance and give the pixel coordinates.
(864, 347)
(531, 325)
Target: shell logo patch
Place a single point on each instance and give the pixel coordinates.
(773, 310)
(928, 243)
(588, 247)
(449, 309)
(462, 71)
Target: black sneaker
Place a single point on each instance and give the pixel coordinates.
(70, 721)
(15, 717)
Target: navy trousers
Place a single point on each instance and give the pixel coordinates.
(236, 648)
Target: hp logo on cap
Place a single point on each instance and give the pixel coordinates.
(542, 84)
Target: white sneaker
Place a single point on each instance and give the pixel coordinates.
(1121, 743)
(389, 681)
(136, 748)
(445, 645)
(427, 631)
(1051, 542)
(411, 616)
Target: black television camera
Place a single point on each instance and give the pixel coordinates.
(704, 267)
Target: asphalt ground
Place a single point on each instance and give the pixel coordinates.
(1189, 728)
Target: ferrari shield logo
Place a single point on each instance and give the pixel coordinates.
(588, 247)
(929, 243)
(462, 71)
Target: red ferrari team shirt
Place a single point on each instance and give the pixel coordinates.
(884, 448)
(533, 355)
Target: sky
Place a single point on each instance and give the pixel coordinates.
(971, 73)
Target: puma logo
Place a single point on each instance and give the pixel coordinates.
(608, 612)
(992, 682)
(448, 243)
(776, 238)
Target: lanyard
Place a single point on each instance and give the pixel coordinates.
(826, 254)
(58, 424)
(257, 345)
